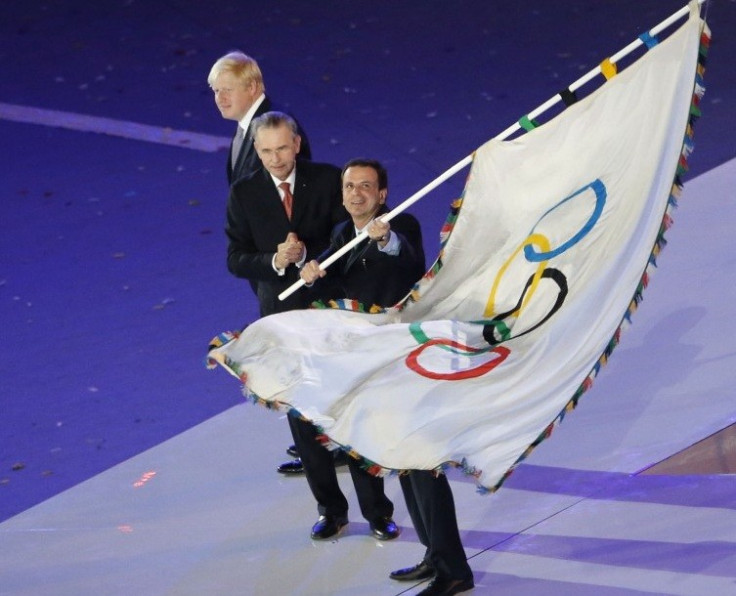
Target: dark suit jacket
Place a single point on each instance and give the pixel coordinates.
(248, 160)
(257, 223)
(368, 275)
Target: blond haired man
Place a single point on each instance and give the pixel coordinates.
(240, 95)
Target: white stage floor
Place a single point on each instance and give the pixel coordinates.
(205, 512)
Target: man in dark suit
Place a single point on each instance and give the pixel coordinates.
(277, 218)
(381, 271)
(240, 95)
(376, 272)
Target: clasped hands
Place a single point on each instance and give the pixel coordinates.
(289, 251)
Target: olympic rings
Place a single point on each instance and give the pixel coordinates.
(543, 242)
(498, 324)
(599, 190)
(537, 249)
(412, 360)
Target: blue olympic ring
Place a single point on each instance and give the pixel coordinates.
(600, 200)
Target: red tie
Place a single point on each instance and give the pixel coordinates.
(288, 198)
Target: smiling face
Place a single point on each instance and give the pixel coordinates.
(277, 147)
(360, 194)
(234, 97)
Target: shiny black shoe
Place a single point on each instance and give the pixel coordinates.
(384, 528)
(291, 468)
(423, 570)
(328, 527)
(291, 450)
(441, 586)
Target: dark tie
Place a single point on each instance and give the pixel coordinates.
(237, 144)
(288, 198)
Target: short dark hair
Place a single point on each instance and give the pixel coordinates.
(361, 162)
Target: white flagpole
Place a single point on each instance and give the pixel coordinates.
(503, 135)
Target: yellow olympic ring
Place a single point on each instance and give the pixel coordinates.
(543, 243)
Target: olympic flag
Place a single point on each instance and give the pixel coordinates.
(545, 256)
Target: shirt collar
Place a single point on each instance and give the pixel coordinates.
(245, 122)
(291, 179)
(359, 230)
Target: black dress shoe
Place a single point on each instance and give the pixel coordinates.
(441, 586)
(291, 450)
(290, 468)
(421, 570)
(328, 527)
(384, 528)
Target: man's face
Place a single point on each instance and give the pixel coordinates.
(233, 97)
(360, 193)
(277, 148)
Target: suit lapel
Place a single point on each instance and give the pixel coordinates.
(357, 252)
(275, 205)
(300, 194)
(247, 148)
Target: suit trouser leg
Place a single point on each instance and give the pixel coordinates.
(416, 517)
(436, 507)
(319, 468)
(369, 489)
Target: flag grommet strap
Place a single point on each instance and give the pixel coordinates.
(648, 40)
(568, 96)
(528, 123)
(608, 69)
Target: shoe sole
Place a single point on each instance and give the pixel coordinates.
(421, 578)
(385, 538)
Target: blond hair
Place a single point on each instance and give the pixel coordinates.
(239, 64)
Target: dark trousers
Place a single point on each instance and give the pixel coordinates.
(432, 510)
(319, 468)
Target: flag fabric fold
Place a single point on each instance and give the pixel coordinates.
(543, 258)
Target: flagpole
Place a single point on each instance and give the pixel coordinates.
(502, 136)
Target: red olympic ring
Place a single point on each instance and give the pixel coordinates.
(412, 361)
